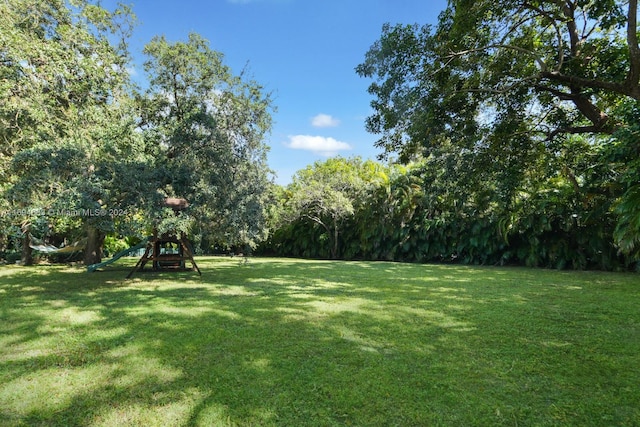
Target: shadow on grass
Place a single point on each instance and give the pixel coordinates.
(289, 342)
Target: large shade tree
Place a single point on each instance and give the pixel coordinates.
(63, 69)
(519, 85)
(206, 126)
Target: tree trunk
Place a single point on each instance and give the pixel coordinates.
(93, 250)
(334, 249)
(27, 252)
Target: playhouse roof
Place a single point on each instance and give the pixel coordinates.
(175, 203)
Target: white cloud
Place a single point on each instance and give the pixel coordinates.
(317, 144)
(324, 121)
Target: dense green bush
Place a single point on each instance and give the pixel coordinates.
(423, 215)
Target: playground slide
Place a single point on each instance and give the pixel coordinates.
(94, 267)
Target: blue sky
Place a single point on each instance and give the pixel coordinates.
(302, 51)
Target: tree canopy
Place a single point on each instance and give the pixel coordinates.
(63, 87)
(542, 69)
(85, 153)
(521, 92)
(208, 127)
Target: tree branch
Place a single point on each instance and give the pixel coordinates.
(576, 130)
(537, 58)
(500, 90)
(568, 10)
(580, 82)
(318, 221)
(599, 119)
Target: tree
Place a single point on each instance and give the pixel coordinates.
(207, 126)
(511, 83)
(327, 194)
(547, 67)
(63, 77)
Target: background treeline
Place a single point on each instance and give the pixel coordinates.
(445, 209)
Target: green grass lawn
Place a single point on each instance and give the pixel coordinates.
(313, 343)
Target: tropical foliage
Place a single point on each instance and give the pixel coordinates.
(521, 87)
(518, 123)
(428, 212)
(62, 86)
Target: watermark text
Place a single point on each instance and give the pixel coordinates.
(73, 213)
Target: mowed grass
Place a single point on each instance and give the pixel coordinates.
(317, 343)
